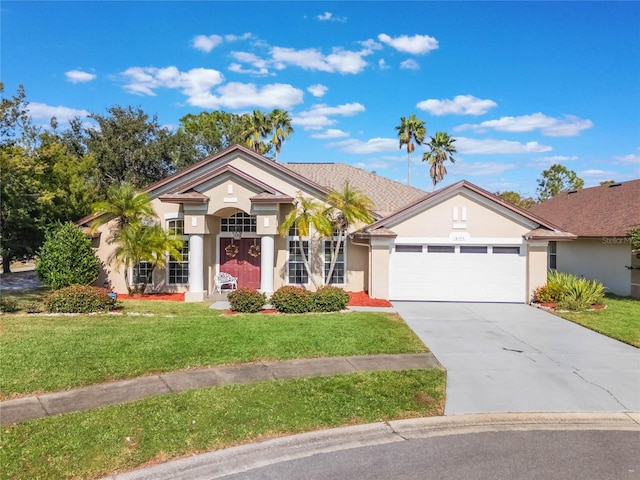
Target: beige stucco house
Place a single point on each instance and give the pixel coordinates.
(460, 243)
(601, 217)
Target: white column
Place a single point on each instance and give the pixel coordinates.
(266, 264)
(196, 269)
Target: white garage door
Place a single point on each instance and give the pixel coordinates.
(462, 273)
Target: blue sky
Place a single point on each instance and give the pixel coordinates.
(519, 85)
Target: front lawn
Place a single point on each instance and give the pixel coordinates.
(122, 437)
(620, 320)
(42, 353)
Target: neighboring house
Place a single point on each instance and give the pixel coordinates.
(460, 243)
(601, 217)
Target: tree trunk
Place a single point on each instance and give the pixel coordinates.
(305, 261)
(335, 250)
(6, 264)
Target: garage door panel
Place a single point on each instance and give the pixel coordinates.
(479, 277)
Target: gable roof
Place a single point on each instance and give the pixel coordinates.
(433, 198)
(609, 210)
(388, 195)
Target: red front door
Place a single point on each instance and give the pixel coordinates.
(242, 265)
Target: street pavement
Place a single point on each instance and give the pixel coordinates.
(517, 358)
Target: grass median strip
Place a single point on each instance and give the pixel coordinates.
(50, 353)
(620, 320)
(123, 437)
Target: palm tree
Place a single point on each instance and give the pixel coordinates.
(307, 213)
(346, 208)
(255, 130)
(280, 123)
(411, 129)
(126, 205)
(441, 149)
(144, 243)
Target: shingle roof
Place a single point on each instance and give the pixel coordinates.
(388, 195)
(609, 210)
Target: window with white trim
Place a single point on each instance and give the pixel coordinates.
(179, 267)
(338, 275)
(239, 221)
(296, 271)
(141, 272)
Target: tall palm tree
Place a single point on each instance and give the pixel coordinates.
(126, 205)
(346, 208)
(411, 130)
(255, 130)
(280, 124)
(441, 149)
(306, 214)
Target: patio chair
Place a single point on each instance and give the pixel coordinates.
(224, 278)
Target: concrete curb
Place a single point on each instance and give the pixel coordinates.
(94, 396)
(248, 457)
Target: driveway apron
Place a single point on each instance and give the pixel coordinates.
(516, 358)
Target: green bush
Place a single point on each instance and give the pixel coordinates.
(66, 258)
(33, 307)
(8, 304)
(79, 299)
(246, 300)
(330, 299)
(570, 292)
(290, 299)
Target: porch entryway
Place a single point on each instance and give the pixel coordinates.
(241, 258)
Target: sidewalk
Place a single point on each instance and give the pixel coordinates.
(86, 398)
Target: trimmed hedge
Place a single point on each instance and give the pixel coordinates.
(246, 300)
(291, 299)
(330, 299)
(79, 299)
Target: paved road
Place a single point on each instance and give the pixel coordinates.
(487, 447)
(516, 358)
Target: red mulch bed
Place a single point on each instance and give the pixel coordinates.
(174, 297)
(362, 299)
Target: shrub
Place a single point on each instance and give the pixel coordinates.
(79, 299)
(290, 299)
(570, 292)
(33, 307)
(573, 304)
(543, 295)
(330, 299)
(8, 304)
(66, 258)
(246, 300)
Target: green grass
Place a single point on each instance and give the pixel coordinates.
(123, 437)
(49, 353)
(620, 320)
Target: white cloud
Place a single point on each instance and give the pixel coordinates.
(478, 169)
(235, 38)
(62, 114)
(330, 17)
(341, 61)
(206, 43)
(318, 116)
(382, 65)
(241, 95)
(493, 146)
(566, 126)
(548, 161)
(374, 145)
(260, 65)
(197, 84)
(410, 64)
(330, 133)
(632, 158)
(460, 105)
(371, 44)
(318, 90)
(78, 76)
(417, 44)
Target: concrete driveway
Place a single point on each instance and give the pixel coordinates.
(516, 358)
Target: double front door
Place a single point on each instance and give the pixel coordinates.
(241, 258)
